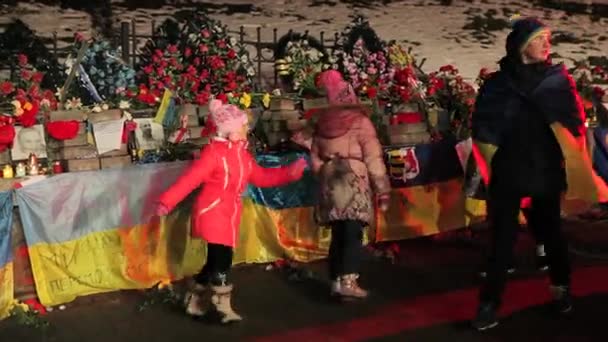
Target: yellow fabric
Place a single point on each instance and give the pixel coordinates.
(164, 105)
(141, 256)
(585, 187)
(6, 289)
(425, 210)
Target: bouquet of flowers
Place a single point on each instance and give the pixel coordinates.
(447, 90)
(588, 81)
(368, 72)
(213, 62)
(25, 95)
(101, 72)
(363, 59)
(301, 59)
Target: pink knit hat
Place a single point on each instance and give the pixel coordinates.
(226, 117)
(339, 92)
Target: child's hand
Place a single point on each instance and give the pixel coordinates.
(297, 169)
(162, 210)
(383, 202)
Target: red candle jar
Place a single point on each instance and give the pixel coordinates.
(57, 168)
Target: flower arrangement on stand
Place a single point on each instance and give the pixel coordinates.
(102, 74)
(453, 98)
(362, 58)
(213, 62)
(300, 60)
(591, 82)
(24, 97)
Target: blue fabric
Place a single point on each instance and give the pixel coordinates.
(297, 194)
(6, 224)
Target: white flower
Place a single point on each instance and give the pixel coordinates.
(105, 106)
(127, 115)
(95, 109)
(244, 58)
(276, 92)
(232, 41)
(250, 71)
(124, 104)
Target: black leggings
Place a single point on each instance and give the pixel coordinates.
(346, 247)
(544, 214)
(215, 271)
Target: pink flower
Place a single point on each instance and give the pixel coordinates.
(205, 33)
(22, 59)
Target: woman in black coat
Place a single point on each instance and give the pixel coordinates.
(512, 129)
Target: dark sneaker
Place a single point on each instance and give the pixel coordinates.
(510, 270)
(486, 317)
(541, 263)
(562, 300)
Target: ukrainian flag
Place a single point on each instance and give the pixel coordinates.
(6, 261)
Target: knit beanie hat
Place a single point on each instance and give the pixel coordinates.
(226, 117)
(339, 92)
(524, 30)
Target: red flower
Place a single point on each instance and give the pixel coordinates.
(172, 48)
(449, 69)
(202, 98)
(78, 37)
(203, 75)
(25, 75)
(599, 92)
(372, 92)
(230, 86)
(7, 135)
(231, 54)
(203, 48)
(222, 97)
(22, 60)
(148, 69)
(37, 77)
(187, 52)
(221, 44)
(216, 62)
(6, 87)
(63, 130)
(205, 33)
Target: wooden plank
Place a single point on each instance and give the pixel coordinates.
(112, 114)
(319, 102)
(5, 157)
(278, 103)
(75, 165)
(116, 153)
(286, 115)
(115, 162)
(67, 115)
(74, 152)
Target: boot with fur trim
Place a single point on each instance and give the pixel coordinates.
(197, 300)
(349, 287)
(221, 299)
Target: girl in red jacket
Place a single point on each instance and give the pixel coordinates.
(225, 167)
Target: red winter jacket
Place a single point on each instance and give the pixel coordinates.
(225, 168)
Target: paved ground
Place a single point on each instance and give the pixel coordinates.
(427, 295)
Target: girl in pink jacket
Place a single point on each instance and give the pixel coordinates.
(225, 168)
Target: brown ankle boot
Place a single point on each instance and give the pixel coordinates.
(197, 300)
(349, 287)
(221, 301)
